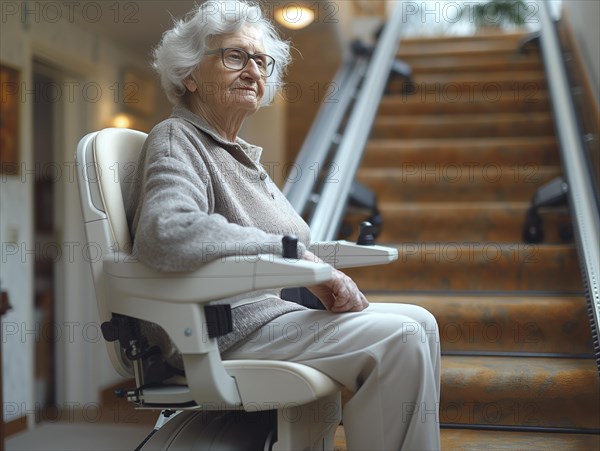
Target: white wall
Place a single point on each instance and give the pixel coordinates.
(91, 66)
(584, 16)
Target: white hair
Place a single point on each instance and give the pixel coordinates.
(182, 47)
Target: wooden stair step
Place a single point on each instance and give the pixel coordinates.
(413, 52)
(441, 101)
(463, 126)
(500, 222)
(505, 323)
(483, 63)
(457, 46)
(454, 439)
(474, 62)
(477, 440)
(454, 89)
(462, 182)
(474, 81)
(513, 38)
(501, 151)
(520, 391)
(474, 266)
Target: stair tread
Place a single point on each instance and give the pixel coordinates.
(482, 63)
(518, 299)
(401, 207)
(461, 118)
(494, 150)
(482, 78)
(525, 100)
(477, 247)
(455, 439)
(513, 37)
(456, 181)
(396, 100)
(477, 440)
(433, 47)
(476, 265)
(489, 323)
(484, 221)
(463, 125)
(434, 144)
(385, 172)
(536, 392)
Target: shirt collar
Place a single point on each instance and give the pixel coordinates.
(253, 152)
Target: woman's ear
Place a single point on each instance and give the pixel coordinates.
(190, 83)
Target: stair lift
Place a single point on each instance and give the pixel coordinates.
(553, 194)
(215, 404)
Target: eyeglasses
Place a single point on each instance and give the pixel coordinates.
(236, 59)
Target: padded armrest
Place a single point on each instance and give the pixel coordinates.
(218, 279)
(346, 254)
(172, 300)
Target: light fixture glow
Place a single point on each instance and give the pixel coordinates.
(294, 16)
(121, 121)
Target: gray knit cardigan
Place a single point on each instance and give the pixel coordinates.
(197, 197)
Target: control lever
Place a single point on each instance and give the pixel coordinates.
(365, 234)
(290, 247)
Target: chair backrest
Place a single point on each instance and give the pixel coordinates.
(105, 161)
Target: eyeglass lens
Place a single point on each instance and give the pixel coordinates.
(237, 59)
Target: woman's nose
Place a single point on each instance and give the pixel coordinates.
(252, 69)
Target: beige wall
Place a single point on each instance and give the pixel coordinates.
(89, 68)
(584, 17)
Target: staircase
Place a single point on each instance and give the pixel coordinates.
(454, 166)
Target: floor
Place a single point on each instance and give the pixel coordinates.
(78, 437)
(110, 437)
(93, 437)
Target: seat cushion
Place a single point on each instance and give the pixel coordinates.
(262, 384)
(270, 381)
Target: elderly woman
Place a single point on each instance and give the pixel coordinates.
(202, 194)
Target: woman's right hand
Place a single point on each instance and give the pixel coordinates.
(340, 294)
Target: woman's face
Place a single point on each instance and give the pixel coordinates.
(220, 88)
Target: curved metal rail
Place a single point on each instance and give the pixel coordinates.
(337, 154)
(586, 218)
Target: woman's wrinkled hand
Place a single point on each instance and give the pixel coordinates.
(340, 294)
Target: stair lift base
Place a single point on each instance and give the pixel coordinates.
(309, 426)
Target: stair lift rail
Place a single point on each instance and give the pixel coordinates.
(322, 135)
(586, 217)
(339, 154)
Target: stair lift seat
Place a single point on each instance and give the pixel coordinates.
(126, 289)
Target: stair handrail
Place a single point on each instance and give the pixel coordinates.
(586, 217)
(333, 198)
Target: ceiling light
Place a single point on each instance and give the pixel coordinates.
(121, 121)
(294, 16)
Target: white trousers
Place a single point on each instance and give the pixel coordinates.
(388, 355)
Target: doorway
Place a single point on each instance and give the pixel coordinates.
(65, 364)
(46, 125)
